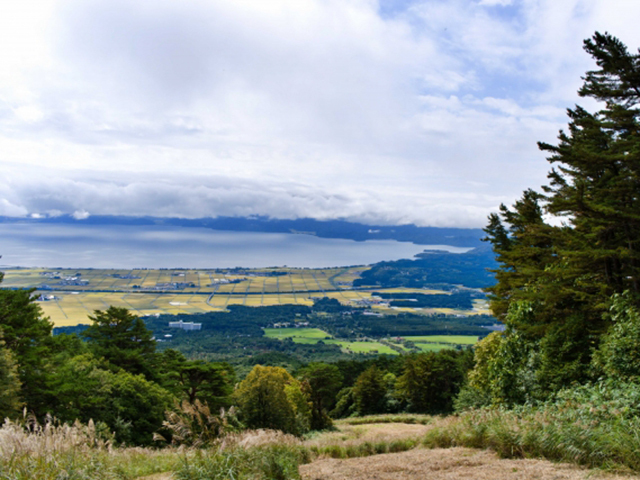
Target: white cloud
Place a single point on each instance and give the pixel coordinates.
(9, 209)
(288, 108)
(491, 3)
(49, 193)
(28, 113)
(80, 215)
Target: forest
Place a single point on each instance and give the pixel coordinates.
(113, 374)
(562, 381)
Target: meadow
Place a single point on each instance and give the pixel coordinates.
(352, 451)
(70, 296)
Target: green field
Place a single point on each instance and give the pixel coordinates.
(455, 339)
(363, 347)
(313, 334)
(433, 347)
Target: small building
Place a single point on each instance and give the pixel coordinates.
(189, 326)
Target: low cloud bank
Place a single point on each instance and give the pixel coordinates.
(52, 195)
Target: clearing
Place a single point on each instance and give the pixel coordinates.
(446, 464)
(420, 463)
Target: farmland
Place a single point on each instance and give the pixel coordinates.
(392, 347)
(69, 296)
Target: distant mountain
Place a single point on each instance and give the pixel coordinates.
(457, 237)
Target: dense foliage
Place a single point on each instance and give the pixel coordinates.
(470, 269)
(556, 279)
(458, 300)
(271, 398)
(114, 375)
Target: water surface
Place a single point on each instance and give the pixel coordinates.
(116, 246)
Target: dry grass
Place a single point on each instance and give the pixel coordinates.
(30, 450)
(79, 452)
(258, 438)
(352, 435)
(48, 439)
(445, 464)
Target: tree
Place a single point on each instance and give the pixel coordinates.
(123, 340)
(324, 381)
(269, 397)
(597, 178)
(131, 406)
(619, 354)
(26, 334)
(566, 274)
(210, 383)
(9, 383)
(369, 391)
(430, 381)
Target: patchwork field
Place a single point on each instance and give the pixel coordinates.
(424, 343)
(68, 296)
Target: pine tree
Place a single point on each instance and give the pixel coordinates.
(567, 274)
(9, 383)
(123, 340)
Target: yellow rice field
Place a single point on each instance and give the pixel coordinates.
(70, 296)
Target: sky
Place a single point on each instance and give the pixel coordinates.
(375, 111)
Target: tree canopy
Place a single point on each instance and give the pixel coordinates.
(565, 251)
(269, 397)
(122, 339)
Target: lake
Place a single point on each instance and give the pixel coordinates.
(127, 247)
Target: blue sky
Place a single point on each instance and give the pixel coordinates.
(385, 111)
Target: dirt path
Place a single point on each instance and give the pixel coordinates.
(446, 464)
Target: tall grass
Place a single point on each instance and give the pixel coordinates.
(30, 450)
(266, 462)
(265, 454)
(596, 426)
(410, 418)
(364, 449)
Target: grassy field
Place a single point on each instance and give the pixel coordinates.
(363, 347)
(455, 339)
(70, 296)
(385, 447)
(314, 335)
(435, 343)
(433, 347)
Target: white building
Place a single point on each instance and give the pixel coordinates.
(185, 325)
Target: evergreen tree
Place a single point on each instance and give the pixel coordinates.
(430, 381)
(123, 340)
(369, 391)
(27, 335)
(9, 383)
(324, 382)
(565, 275)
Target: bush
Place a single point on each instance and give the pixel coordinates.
(271, 462)
(619, 353)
